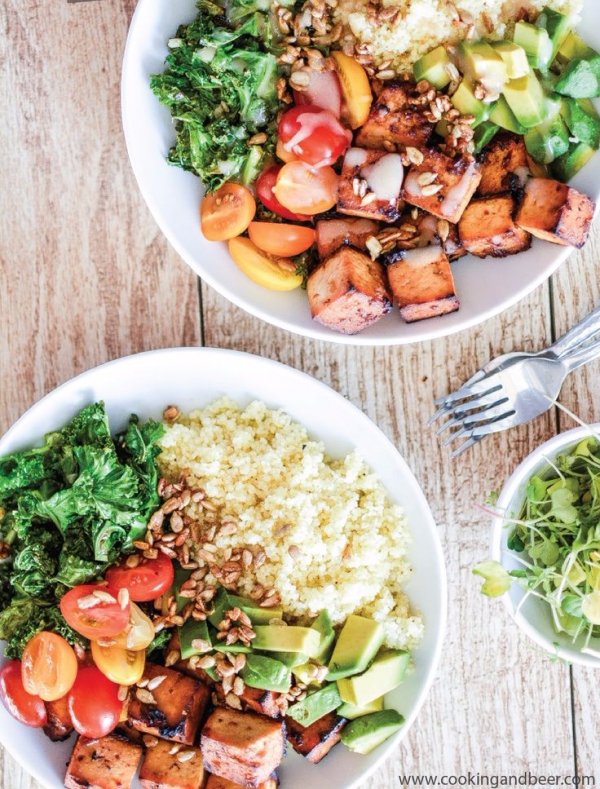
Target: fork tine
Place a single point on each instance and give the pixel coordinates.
(474, 392)
(482, 407)
(464, 446)
(479, 429)
(453, 436)
(442, 411)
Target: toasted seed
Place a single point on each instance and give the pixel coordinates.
(174, 749)
(385, 74)
(424, 179)
(208, 661)
(156, 681)
(170, 413)
(133, 560)
(239, 661)
(185, 756)
(238, 686)
(88, 601)
(123, 692)
(300, 79)
(258, 139)
(201, 644)
(414, 154)
(145, 696)
(368, 199)
(150, 741)
(431, 189)
(172, 657)
(123, 598)
(233, 701)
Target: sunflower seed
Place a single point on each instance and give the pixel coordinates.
(156, 681)
(145, 696)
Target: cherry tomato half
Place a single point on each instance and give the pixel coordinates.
(100, 619)
(314, 135)
(139, 633)
(281, 239)
(147, 581)
(94, 703)
(48, 666)
(264, 189)
(226, 213)
(306, 189)
(123, 666)
(26, 708)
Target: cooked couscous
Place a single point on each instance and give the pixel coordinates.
(332, 537)
(420, 25)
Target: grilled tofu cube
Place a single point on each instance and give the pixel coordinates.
(487, 227)
(335, 233)
(393, 120)
(179, 706)
(106, 763)
(242, 746)
(422, 283)
(370, 185)
(215, 782)
(315, 741)
(162, 769)
(59, 725)
(265, 702)
(442, 186)
(556, 212)
(504, 165)
(347, 292)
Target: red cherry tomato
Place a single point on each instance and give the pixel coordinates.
(147, 581)
(314, 135)
(323, 90)
(93, 620)
(264, 190)
(21, 705)
(93, 703)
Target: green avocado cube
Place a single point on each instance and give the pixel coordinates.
(480, 62)
(225, 601)
(385, 673)
(503, 116)
(582, 121)
(352, 711)
(574, 47)
(315, 705)
(548, 141)
(287, 638)
(526, 99)
(266, 674)
(514, 57)
(289, 659)
(557, 25)
(467, 104)
(484, 134)
(536, 43)
(570, 163)
(324, 627)
(356, 646)
(363, 735)
(194, 631)
(580, 79)
(433, 67)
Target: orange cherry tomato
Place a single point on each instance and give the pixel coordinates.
(26, 708)
(356, 88)
(48, 666)
(226, 213)
(281, 240)
(305, 189)
(101, 617)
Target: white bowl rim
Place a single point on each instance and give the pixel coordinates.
(508, 496)
(394, 741)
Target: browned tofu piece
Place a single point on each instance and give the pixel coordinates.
(242, 746)
(315, 741)
(393, 120)
(456, 181)
(162, 769)
(335, 233)
(180, 703)
(59, 725)
(422, 284)
(504, 165)
(370, 185)
(556, 212)
(107, 763)
(215, 782)
(265, 702)
(487, 227)
(347, 292)
(128, 731)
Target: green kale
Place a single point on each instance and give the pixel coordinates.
(158, 644)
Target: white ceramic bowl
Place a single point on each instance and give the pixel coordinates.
(485, 287)
(193, 377)
(534, 616)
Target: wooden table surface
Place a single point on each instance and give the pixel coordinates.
(86, 276)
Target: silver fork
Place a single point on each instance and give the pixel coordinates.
(516, 387)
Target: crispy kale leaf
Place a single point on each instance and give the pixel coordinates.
(220, 85)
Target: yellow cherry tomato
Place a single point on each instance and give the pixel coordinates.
(48, 666)
(123, 666)
(355, 88)
(270, 272)
(138, 634)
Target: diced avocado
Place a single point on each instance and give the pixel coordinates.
(364, 734)
(351, 711)
(514, 57)
(191, 631)
(289, 659)
(580, 79)
(574, 47)
(224, 601)
(536, 43)
(433, 67)
(582, 121)
(179, 579)
(267, 674)
(480, 62)
(324, 627)
(526, 99)
(548, 141)
(315, 705)
(570, 163)
(305, 673)
(484, 134)
(503, 116)
(385, 673)
(356, 646)
(465, 102)
(287, 638)
(558, 26)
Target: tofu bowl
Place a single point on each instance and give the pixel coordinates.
(329, 454)
(413, 297)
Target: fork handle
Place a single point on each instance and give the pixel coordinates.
(586, 330)
(581, 356)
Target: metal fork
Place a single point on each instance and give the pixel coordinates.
(516, 387)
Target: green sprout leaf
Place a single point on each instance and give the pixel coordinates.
(497, 579)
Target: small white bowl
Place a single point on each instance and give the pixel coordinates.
(534, 616)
